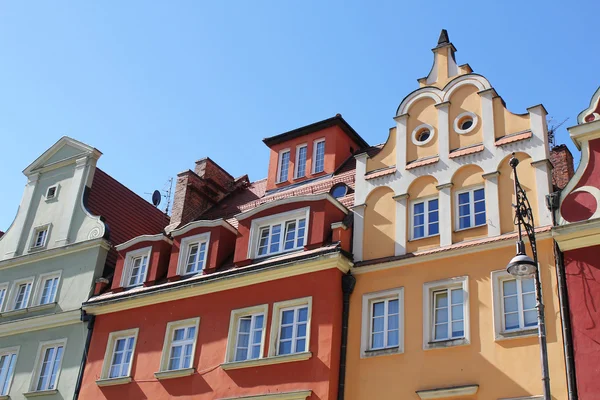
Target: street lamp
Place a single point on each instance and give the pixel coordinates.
(523, 266)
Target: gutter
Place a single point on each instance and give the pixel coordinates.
(348, 283)
(90, 319)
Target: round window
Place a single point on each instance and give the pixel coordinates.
(465, 123)
(339, 190)
(423, 135)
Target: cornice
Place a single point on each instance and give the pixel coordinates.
(290, 200)
(203, 224)
(142, 239)
(19, 326)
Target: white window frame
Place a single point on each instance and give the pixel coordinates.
(500, 333)
(36, 230)
(366, 329)
(184, 250)
(429, 288)
(128, 266)
(12, 299)
(8, 379)
(426, 201)
(232, 337)
(471, 190)
(282, 218)
(40, 287)
(297, 163)
(108, 355)
(168, 342)
(314, 156)
(53, 197)
(280, 165)
(43, 346)
(4, 298)
(278, 308)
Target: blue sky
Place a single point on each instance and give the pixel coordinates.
(157, 85)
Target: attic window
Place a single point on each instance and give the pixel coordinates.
(51, 192)
(465, 123)
(279, 233)
(422, 134)
(339, 190)
(40, 237)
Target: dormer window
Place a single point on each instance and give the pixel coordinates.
(51, 192)
(40, 236)
(283, 165)
(279, 233)
(136, 267)
(193, 253)
(319, 156)
(300, 161)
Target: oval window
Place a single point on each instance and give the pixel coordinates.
(339, 190)
(466, 123)
(423, 135)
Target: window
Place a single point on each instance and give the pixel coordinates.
(465, 123)
(283, 165)
(471, 208)
(8, 359)
(119, 355)
(280, 233)
(3, 293)
(40, 237)
(180, 345)
(193, 254)
(425, 218)
(47, 289)
(136, 267)
(48, 363)
(382, 323)
(247, 334)
(290, 329)
(20, 293)
(422, 134)
(300, 161)
(51, 192)
(339, 190)
(319, 156)
(446, 313)
(515, 311)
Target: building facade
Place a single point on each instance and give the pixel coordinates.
(58, 244)
(241, 297)
(434, 314)
(577, 235)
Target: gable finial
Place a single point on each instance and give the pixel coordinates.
(443, 38)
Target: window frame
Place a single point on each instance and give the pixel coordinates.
(128, 266)
(12, 299)
(297, 163)
(500, 333)
(109, 352)
(36, 231)
(9, 379)
(278, 308)
(232, 336)
(168, 344)
(278, 219)
(280, 165)
(54, 196)
(426, 201)
(184, 249)
(40, 288)
(429, 288)
(314, 156)
(470, 190)
(4, 299)
(368, 300)
(37, 370)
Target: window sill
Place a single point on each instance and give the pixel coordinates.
(26, 310)
(176, 373)
(33, 250)
(267, 361)
(40, 393)
(442, 344)
(14, 312)
(381, 352)
(517, 334)
(471, 227)
(424, 237)
(4, 397)
(113, 381)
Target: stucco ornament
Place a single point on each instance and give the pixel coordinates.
(592, 113)
(94, 233)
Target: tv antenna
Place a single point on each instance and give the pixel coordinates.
(166, 193)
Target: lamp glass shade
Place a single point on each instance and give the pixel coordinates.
(521, 266)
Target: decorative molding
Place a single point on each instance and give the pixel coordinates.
(444, 186)
(443, 393)
(577, 235)
(299, 395)
(142, 239)
(39, 393)
(203, 224)
(291, 200)
(401, 197)
(257, 362)
(113, 381)
(38, 323)
(491, 175)
(176, 373)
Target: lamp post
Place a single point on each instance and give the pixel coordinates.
(522, 266)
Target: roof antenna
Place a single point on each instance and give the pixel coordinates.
(167, 194)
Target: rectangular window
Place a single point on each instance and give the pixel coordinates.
(515, 312)
(40, 235)
(8, 359)
(138, 270)
(180, 345)
(425, 218)
(3, 293)
(319, 156)
(21, 293)
(195, 258)
(290, 328)
(283, 165)
(301, 161)
(136, 267)
(283, 235)
(47, 289)
(446, 319)
(119, 354)
(51, 192)
(471, 208)
(246, 336)
(48, 365)
(385, 317)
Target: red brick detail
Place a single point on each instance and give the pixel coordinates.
(562, 163)
(382, 172)
(513, 138)
(465, 151)
(422, 162)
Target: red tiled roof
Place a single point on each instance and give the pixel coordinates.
(422, 162)
(514, 137)
(466, 150)
(381, 172)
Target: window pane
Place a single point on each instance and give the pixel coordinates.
(464, 210)
(320, 157)
(463, 198)
(511, 321)
(480, 219)
(419, 232)
(263, 241)
(528, 301)
(441, 332)
(301, 229)
(441, 299)
(287, 317)
(290, 234)
(458, 329)
(464, 222)
(393, 322)
(441, 315)
(479, 206)
(530, 318)
(457, 296)
(434, 229)
(527, 285)
(509, 287)
(457, 312)
(479, 194)
(433, 216)
(377, 340)
(433, 205)
(255, 352)
(287, 332)
(301, 330)
(301, 168)
(301, 345)
(259, 321)
(378, 309)
(419, 208)
(285, 347)
(392, 338)
(393, 307)
(511, 304)
(378, 324)
(419, 219)
(275, 238)
(283, 168)
(303, 314)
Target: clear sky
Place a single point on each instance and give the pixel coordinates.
(157, 85)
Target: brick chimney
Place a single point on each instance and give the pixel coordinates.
(196, 191)
(562, 162)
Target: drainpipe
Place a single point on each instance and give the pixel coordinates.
(348, 283)
(90, 319)
(563, 296)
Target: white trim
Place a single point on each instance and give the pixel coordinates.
(128, 266)
(6, 352)
(54, 196)
(203, 224)
(168, 342)
(471, 190)
(270, 220)
(234, 321)
(278, 308)
(314, 156)
(142, 239)
(38, 367)
(40, 228)
(413, 135)
(40, 287)
(4, 299)
(429, 288)
(459, 117)
(296, 163)
(279, 165)
(108, 354)
(447, 392)
(86, 150)
(13, 293)
(184, 249)
(290, 200)
(38, 323)
(425, 201)
(366, 325)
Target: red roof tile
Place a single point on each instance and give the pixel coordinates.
(515, 137)
(381, 172)
(466, 150)
(422, 162)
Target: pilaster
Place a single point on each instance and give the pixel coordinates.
(492, 203)
(445, 197)
(401, 126)
(401, 224)
(358, 227)
(443, 130)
